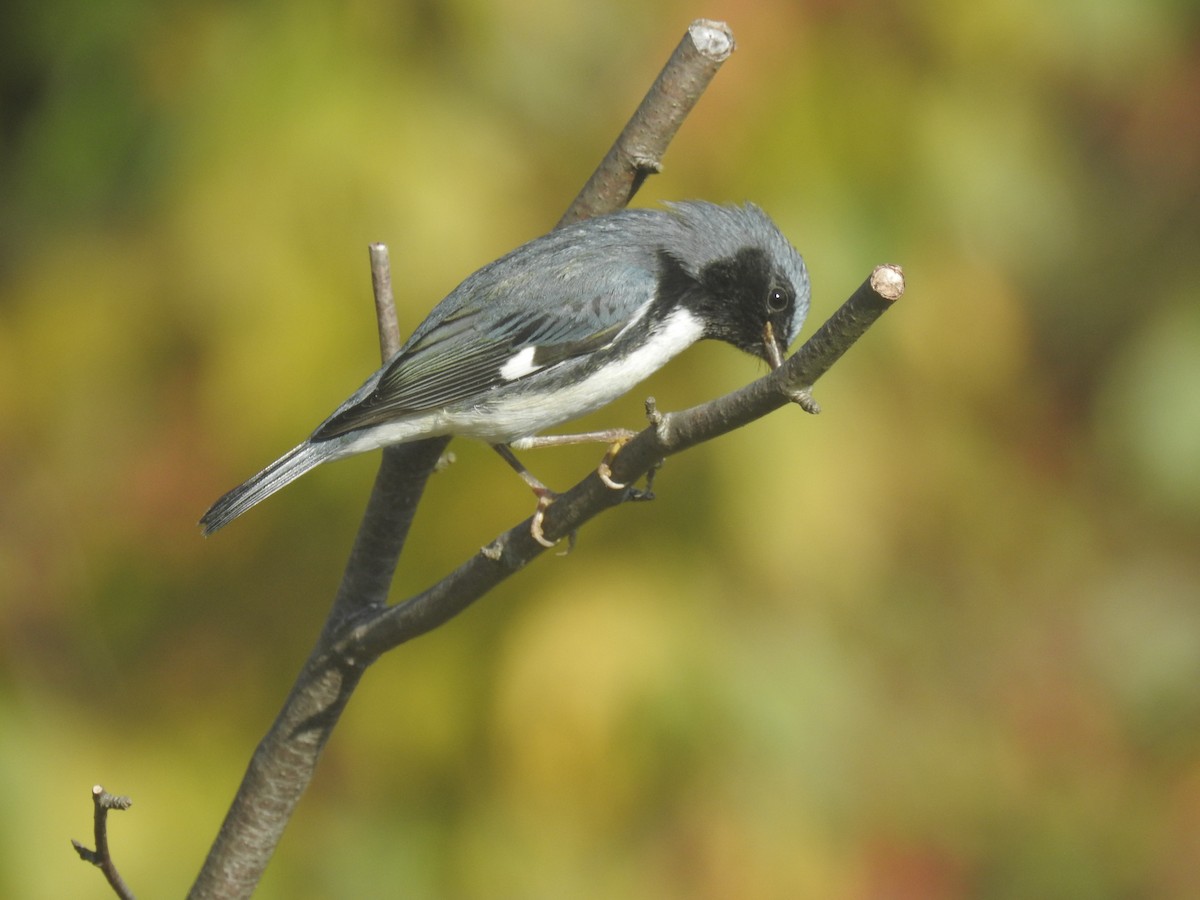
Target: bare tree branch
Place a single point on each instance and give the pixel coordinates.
(667, 435)
(101, 857)
(284, 762)
(638, 150)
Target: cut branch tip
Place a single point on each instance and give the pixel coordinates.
(888, 282)
(712, 38)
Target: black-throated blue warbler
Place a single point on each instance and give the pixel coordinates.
(560, 327)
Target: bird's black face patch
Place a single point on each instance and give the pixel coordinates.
(741, 295)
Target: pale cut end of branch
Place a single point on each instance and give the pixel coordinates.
(713, 39)
(888, 282)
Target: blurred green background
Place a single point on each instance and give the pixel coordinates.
(941, 641)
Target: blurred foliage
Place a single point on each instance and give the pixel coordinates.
(942, 641)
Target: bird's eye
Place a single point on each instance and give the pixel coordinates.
(777, 300)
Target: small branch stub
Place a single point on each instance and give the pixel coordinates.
(110, 801)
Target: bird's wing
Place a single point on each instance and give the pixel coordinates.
(466, 353)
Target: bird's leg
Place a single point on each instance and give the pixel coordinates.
(609, 436)
(544, 495)
(614, 437)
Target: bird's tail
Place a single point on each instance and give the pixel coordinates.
(277, 475)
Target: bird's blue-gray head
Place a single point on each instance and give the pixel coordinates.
(740, 273)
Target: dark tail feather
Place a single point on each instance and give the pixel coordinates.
(278, 474)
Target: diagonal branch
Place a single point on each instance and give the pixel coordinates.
(667, 435)
(637, 152)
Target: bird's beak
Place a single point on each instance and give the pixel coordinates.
(771, 345)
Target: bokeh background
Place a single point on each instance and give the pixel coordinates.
(941, 641)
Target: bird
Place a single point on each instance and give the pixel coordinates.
(560, 327)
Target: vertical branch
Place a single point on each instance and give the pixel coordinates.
(398, 487)
(284, 762)
(385, 302)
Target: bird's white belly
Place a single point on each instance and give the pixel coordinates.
(522, 414)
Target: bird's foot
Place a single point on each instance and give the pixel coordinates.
(545, 497)
(604, 470)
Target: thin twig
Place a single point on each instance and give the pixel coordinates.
(101, 857)
(386, 319)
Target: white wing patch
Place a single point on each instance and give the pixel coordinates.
(519, 365)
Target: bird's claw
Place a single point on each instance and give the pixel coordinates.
(605, 473)
(604, 470)
(545, 498)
